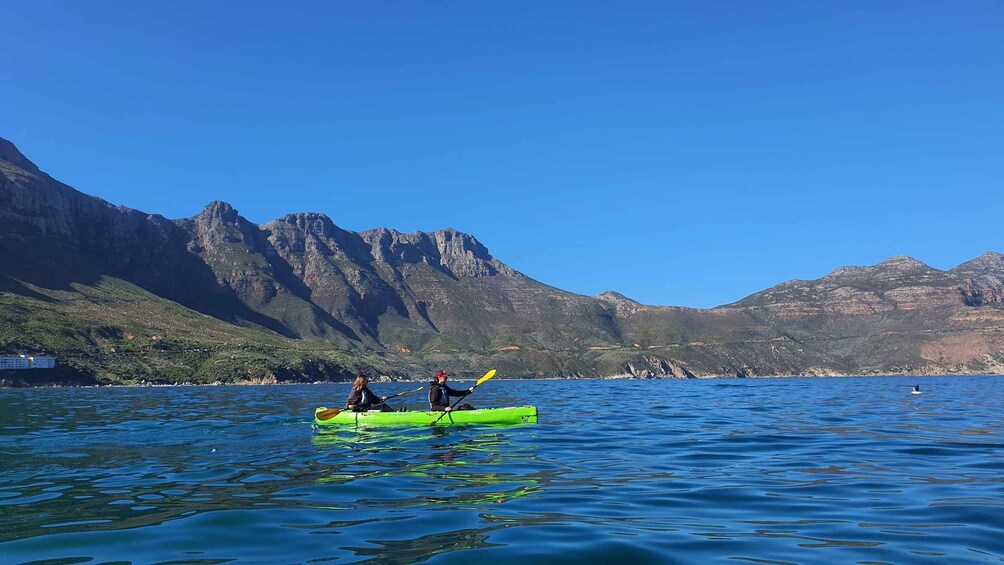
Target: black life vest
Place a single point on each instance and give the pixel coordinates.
(367, 397)
(438, 395)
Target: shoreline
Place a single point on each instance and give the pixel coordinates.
(5, 385)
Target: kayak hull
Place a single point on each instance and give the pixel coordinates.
(498, 416)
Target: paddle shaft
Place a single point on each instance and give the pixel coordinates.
(445, 412)
(328, 414)
(487, 376)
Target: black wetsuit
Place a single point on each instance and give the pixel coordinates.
(364, 399)
(439, 396)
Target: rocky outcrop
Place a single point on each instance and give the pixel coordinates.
(622, 305)
(976, 293)
(981, 281)
(990, 263)
(454, 253)
(10, 154)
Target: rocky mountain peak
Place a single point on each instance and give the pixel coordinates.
(465, 256)
(218, 212)
(302, 217)
(991, 261)
(454, 252)
(449, 237)
(220, 223)
(902, 263)
(898, 265)
(10, 153)
(616, 297)
(298, 232)
(311, 222)
(620, 303)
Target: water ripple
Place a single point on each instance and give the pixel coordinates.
(759, 471)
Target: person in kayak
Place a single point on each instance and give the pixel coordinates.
(440, 393)
(362, 398)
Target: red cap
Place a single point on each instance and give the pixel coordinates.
(441, 373)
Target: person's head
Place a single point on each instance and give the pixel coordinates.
(360, 382)
(441, 376)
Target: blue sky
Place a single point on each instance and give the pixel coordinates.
(681, 153)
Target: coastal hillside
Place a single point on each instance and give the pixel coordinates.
(899, 316)
(122, 295)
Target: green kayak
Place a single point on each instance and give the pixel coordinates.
(510, 415)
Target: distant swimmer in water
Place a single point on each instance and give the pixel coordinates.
(916, 389)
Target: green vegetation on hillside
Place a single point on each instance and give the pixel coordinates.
(113, 332)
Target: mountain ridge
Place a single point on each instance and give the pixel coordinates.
(402, 303)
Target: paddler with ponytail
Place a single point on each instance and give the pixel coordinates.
(362, 398)
(440, 393)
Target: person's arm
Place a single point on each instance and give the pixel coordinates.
(376, 399)
(455, 392)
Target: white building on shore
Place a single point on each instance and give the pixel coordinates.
(27, 362)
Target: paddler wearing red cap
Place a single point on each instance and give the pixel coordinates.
(440, 393)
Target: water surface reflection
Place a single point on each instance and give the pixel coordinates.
(771, 471)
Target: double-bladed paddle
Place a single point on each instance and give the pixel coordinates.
(329, 414)
(487, 376)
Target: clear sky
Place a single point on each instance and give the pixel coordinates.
(681, 153)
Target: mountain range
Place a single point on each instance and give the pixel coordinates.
(123, 296)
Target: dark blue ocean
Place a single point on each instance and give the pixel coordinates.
(836, 470)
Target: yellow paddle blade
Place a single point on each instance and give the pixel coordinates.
(487, 376)
(329, 414)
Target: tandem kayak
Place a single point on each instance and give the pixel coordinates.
(510, 415)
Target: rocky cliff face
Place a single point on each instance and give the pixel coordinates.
(433, 297)
(897, 316)
(449, 251)
(981, 281)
